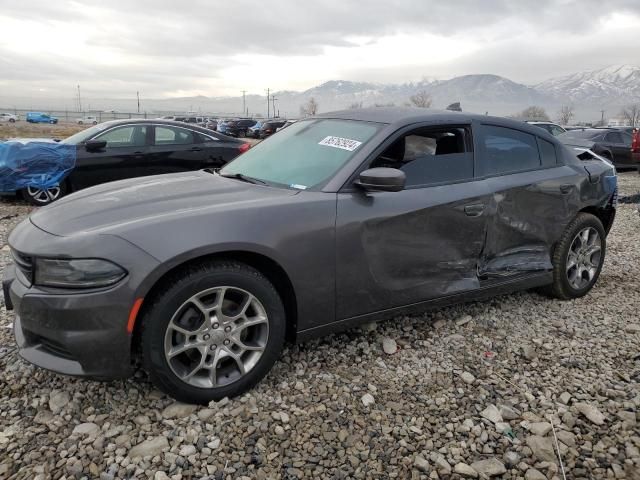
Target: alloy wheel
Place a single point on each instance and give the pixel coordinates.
(216, 337)
(583, 259)
(44, 195)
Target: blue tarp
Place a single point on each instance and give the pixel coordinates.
(34, 164)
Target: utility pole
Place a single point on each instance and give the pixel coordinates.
(274, 104)
(138, 97)
(602, 118)
(267, 103)
(244, 105)
(79, 100)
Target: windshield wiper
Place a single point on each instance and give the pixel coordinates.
(244, 178)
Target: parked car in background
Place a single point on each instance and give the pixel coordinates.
(286, 124)
(211, 124)
(254, 131)
(610, 143)
(89, 120)
(9, 117)
(269, 127)
(238, 127)
(553, 128)
(208, 273)
(122, 149)
(222, 125)
(39, 117)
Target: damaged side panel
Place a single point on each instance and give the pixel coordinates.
(34, 164)
(405, 247)
(528, 213)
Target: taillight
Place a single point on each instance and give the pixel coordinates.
(244, 147)
(635, 142)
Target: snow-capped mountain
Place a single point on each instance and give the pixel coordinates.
(618, 84)
(609, 88)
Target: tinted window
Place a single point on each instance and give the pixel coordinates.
(613, 137)
(429, 156)
(506, 150)
(173, 136)
(585, 134)
(547, 153)
(555, 130)
(305, 154)
(129, 136)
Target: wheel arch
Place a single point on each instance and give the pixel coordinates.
(271, 269)
(605, 215)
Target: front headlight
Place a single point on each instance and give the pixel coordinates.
(77, 273)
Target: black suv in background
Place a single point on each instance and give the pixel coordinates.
(239, 127)
(269, 127)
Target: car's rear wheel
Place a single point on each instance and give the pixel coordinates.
(578, 257)
(213, 331)
(12, 120)
(44, 196)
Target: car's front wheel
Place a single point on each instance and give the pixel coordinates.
(12, 120)
(40, 197)
(213, 331)
(578, 257)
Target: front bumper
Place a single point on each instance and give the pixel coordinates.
(75, 332)
(80, 334)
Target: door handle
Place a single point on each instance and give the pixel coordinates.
(474, 210)
(566, 188)
(196, 149)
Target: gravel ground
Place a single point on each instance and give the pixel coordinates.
(465, 392)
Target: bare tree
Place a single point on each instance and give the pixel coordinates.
(631, 114)
(309, 108)
(421, 99)
(355, 105)
(565, 115)
(533, 113)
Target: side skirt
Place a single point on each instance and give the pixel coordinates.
(504, 286)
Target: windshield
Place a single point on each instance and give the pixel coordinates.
(84, 135)
(304, 155)
(584, 134)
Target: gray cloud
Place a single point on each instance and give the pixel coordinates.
(185, 45)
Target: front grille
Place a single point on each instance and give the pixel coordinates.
(24, 263)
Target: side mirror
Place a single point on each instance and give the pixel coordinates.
(382, 179)
(95, 145)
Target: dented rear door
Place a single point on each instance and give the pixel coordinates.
(530, 206)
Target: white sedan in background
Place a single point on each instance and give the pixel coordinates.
(9, 117)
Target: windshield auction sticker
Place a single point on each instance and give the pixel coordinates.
(339, 142)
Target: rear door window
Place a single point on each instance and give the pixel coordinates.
(613, 137)
(173, 136)
(506, 150)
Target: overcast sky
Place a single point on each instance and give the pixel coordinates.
(165, 48)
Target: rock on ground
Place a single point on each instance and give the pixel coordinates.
(306, 419)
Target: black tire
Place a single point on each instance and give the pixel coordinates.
(95, 123)
(39, 199)
(172, 296)
(80, 122)
(12, 120)
(561, 287)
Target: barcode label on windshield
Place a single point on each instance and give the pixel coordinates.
(339, 142)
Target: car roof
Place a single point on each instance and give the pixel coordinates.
(157, 121)
(402, 116)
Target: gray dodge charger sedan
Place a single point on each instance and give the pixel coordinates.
(338, 219)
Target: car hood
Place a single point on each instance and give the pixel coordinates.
(110, 207)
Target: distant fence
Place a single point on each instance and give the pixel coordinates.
(73, 116)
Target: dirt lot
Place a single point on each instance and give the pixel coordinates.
(473, 390)
(38, 130)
